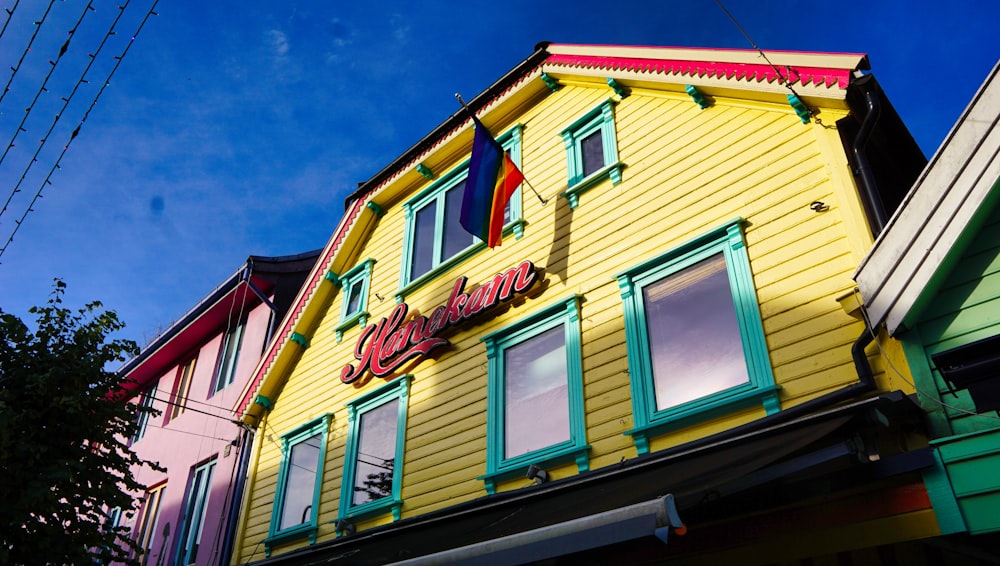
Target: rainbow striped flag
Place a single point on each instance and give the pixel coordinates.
(492, 180)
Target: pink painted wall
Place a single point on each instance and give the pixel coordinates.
(194, 438)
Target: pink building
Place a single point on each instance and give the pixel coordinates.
(194, 373)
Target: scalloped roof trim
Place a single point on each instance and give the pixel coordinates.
(818, 76)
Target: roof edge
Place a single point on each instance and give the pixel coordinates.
(206, 302)
(452, 122)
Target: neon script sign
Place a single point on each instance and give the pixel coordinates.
(384, 347)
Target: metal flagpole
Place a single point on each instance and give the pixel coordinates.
(526, 181)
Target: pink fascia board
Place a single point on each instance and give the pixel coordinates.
(738, 71)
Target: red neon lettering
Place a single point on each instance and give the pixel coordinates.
(384, 347)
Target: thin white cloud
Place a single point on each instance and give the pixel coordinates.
(400, 28)
(278, 41)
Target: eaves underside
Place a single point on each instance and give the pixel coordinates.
(920, 238)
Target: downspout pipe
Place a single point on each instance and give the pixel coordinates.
(864, 166)
(235, 504)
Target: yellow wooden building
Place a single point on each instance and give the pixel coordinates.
(662, 360)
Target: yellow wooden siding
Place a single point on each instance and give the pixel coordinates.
(686, 171)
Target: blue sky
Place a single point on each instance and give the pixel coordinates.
(238, 128)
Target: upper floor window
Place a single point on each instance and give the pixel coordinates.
(434, 239)
(296, 502)
(354, 287)
(145, 402)
(182, 387)
(192, 522)
(535, 394)
(147, 524)
(373, 463)
(229, 354)
(591, 151)
(695, 340)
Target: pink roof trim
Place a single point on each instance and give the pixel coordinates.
(739, 71)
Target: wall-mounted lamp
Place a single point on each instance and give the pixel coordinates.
(537, 474)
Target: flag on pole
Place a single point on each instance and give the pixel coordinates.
(492, 180)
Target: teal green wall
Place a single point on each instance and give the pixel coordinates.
(965, 307)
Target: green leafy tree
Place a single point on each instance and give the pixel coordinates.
(64, 430)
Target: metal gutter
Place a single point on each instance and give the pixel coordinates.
(252, 266)
(186, 319)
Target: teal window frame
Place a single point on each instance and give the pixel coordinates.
(397, 391)
(565, 313)
(760, 389)
(435, 193)
(601, 118)
(195, 507)
(229, 354)
(308, 529)
(360, 274)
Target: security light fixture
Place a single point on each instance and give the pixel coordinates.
(344, 527)
(539, 475)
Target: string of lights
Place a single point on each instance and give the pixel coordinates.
(42, 88)
(10, 14)
(27, 49)
(107, 81)
(66, 102)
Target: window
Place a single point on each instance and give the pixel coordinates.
(145, 402)
(434, 239)
(373, 463)
(112, 522)
(182, 386)
(695, 340)
(591, 152)
(975, 367)
(296, 502)
(114, 518)
(535, 394)
(193, 521)
(229, 354)
(354, 287)
(148, 521)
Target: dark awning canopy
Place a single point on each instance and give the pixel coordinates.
(558, 515)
